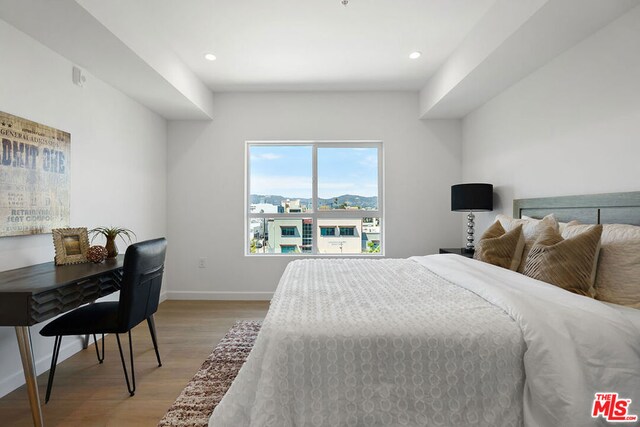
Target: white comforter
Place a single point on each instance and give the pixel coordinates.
(576, 346)
(438, 340)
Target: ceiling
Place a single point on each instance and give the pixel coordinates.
(304, 45)
(153, 50)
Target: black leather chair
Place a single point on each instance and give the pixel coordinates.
(139, 298)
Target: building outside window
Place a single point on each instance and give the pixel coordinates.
(314, 198)
(347, 241)
(282, 233)
(371, 234)
(307, 235)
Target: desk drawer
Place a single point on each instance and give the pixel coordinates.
(48, 304)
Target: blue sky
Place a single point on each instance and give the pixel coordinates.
(287, 170)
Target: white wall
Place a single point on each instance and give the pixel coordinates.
(206, 181)
(118, 165)
(572, 127)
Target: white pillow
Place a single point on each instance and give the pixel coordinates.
(531, 228)
(529, 225)
(561, 225)
(618, 272)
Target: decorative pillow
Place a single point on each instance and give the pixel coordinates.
(500, 248)
(531, 228)
(618, 273)
(561, 225)
(569, 264)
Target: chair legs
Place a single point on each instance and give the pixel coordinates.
(52, 370)
(131, 385)
(95, 341)
(152, 331)
(132, 390)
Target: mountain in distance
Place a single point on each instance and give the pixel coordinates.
(349, 199)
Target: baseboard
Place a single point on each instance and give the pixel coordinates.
(163, 296)
(71, 347)
(219, 295)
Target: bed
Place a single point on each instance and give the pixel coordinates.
(438, 340)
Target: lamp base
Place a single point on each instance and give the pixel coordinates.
(470, 238)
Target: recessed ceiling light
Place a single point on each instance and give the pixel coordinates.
(210, 57)
(415, 55)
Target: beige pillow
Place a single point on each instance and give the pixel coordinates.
(567, 263)
(531, 228)
(500, 248)
(618, 273)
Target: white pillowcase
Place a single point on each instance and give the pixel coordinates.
(618, 273)
(529, 225)
(561, 225)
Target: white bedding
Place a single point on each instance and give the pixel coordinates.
(438, 340)
(576, 346)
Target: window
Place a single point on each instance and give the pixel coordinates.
(288, 231)
(288, 249)
(347, 231)
(314, 198)
(327, 231)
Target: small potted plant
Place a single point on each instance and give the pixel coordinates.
(110, 233)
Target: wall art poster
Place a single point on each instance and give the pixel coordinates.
(34, 177)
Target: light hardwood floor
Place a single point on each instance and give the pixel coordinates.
(88, 394)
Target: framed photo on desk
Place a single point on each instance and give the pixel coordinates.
(71, 245)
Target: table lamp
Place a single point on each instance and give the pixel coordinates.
(471, 197)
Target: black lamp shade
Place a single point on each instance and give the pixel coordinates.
(472, 197)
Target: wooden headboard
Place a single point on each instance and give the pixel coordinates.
(609, 208)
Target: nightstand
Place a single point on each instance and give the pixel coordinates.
(457, 251)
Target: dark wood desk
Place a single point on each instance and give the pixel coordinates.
(37, 293)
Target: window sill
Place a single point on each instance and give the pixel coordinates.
(376, 255)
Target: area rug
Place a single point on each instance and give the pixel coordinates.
(203, 393)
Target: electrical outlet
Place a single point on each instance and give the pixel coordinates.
(202, 263)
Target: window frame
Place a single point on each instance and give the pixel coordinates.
(316, 214)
